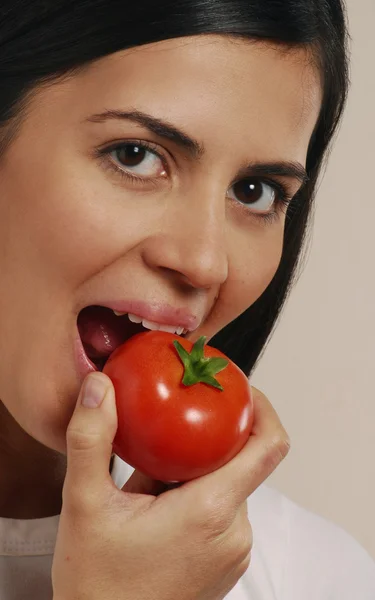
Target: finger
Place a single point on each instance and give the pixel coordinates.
(239, 537)
(243, 530)
(267, 446)
(89, 437)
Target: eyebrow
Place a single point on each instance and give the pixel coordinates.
(195, 149)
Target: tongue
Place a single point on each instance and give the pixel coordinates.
(102, 332)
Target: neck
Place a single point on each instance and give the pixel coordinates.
(31, 475)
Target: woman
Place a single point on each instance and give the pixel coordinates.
(159, 160)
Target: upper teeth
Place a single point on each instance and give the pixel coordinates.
(151, 324)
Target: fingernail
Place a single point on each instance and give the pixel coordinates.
(93, 392)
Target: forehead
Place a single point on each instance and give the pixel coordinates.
(214, 87)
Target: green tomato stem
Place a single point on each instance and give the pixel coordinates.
(199, 368)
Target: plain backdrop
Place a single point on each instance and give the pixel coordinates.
(319, 368)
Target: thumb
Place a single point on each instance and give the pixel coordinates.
(89, 436)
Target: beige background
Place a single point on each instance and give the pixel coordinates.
(319, 369)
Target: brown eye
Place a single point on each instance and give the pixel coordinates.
(255, 193)
(138, 160)
(131, 156)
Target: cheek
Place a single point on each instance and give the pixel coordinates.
(62, 219)
(252, 268)
(87, 225)
(45, 248)
(252, 276)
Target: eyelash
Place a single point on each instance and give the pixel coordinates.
(283, 196)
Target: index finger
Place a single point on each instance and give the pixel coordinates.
(267, 446)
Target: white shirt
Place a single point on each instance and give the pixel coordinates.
(296, 555)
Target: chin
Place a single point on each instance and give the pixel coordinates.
(46, 421)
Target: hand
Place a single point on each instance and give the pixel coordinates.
(147, 541)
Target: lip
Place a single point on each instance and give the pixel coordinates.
(84, 364)
(164, 314)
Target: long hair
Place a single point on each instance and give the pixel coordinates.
(43, 41)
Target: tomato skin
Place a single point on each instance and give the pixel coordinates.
(169, 431)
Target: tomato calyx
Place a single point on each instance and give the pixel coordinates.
(200, 368)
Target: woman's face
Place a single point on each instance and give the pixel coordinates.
(194, 221)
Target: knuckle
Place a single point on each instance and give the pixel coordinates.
(244, 565)
(277, 450)
(242, 542)
(213, 515)
(282, 444)
(236, 549)
(82, 441)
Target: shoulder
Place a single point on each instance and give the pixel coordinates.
(319, 559)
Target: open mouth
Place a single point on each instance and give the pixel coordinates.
(102, 331)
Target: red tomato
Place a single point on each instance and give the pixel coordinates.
(183, 411)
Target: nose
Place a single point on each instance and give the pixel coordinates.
(190, 243)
